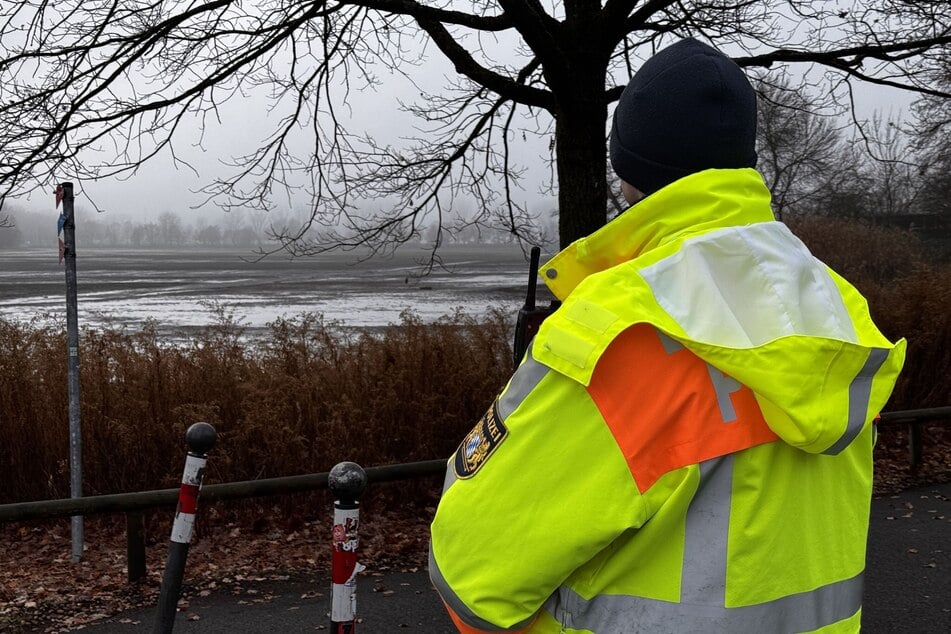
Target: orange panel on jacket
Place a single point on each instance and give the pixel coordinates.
(667, 408)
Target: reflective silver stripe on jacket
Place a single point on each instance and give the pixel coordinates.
(706, 530)
(860, 391)
(619, 614)
(526, 378)
(702, 605)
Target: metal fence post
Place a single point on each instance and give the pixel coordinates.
(914, 444)
(200, 438)
(346, 480)
(135, 545)
(67, 228)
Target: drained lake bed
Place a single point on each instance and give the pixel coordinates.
(187, 288)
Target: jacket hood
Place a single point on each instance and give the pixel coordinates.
(703, 261)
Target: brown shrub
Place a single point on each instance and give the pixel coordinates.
(306, 398)
(860, 250)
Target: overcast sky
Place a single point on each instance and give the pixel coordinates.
(159, 186)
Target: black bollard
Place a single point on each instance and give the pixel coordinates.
(346, 480)
(200, 438)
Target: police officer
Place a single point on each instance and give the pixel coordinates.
(687, 444)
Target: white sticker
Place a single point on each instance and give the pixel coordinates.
(194, 466)
(182, 528)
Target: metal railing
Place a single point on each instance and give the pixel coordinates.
(915, 418)
(133, 504)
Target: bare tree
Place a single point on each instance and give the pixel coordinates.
(932, 138)
(894, 170)
(172, 232)
(799, 143)
(95, 88)
(877, 175)
(7, 222)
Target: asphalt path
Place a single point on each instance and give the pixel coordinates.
(908, 565)
(907, 586)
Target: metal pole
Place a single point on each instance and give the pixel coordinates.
(200, 438)
(346, 480)
(135, 545)
(65, 193)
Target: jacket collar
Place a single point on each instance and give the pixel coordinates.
(695, 204)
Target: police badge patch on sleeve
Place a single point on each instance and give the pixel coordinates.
(479, 444)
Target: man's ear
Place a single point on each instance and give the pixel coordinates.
(631, 193)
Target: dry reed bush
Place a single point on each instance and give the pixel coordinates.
(860, 250)
(305, 398)
(918, 307)
(33, 406)
(406, 393)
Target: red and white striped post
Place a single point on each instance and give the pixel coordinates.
(200, 438)
(346, 480)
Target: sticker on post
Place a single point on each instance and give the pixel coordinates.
(182, 528)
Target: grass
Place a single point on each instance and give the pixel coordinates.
(312, 394)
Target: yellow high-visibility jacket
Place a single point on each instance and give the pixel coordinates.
(687, 446)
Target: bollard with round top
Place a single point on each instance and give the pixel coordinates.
(200, 438)
(347, 481)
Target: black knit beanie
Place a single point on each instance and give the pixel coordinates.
(687, 109)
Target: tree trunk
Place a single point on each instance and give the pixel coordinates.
(581, 156)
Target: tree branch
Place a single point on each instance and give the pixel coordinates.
(466, 65)
(838, 59)
(414, 9)
(881, 52)
(620, 11)
(539, 30)
(622, 23)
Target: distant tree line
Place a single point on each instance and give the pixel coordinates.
(889, 171)
(31, 228)
(27, 228)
